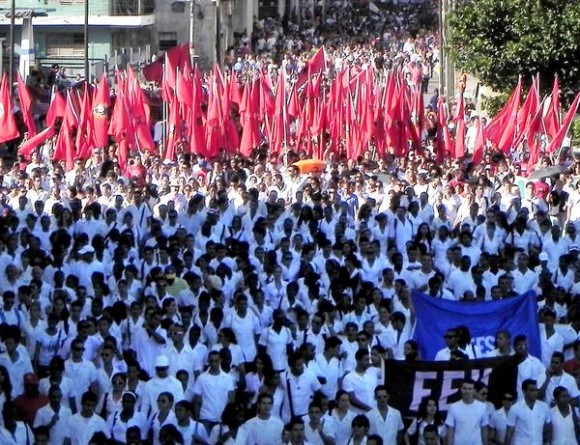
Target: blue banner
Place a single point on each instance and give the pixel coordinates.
(518, 315)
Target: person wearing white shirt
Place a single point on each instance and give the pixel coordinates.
(361, 383)
(317, 430)
(384, 420)
(529, 420)
(565, 421)
(14, 359)
(551, 340)
(530, 367)
(53, 416)
(525, 279)
(193, 432)
(179, 353)
(330, 366)
(498, 422)
(213, 390)
(81, 371)
(120, 421)
(82, 426)
(299, 385)
(246, 327)
(14, 432)
(161, 382)
(557, 377)
(265, 429)
(467, 419)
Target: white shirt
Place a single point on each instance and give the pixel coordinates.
(118, 428)
(563, 428)
(22, 435)
(57, 432)
(530, 368)
(276, 346)
(332, 371)
(245, 328)
(265, 432)
(214, 391)
(82, 374)
(388, 427)
(467, 420)
(302, 388)
(528, 422)
(363, 386)
(156, 386)
(565, 380)
(80, 430)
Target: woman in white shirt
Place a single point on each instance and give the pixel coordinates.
(227, 339)
(164, 416)
(428, 414)
(342, 417)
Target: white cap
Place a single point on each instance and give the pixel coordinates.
(86, 249)
(162, 362)
(544, 256)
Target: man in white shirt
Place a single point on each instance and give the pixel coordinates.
(385, 420)
(360, 383)
(530, 367)
(81, 371)
(556, 377)
(82, 426)
(213, 390)
(299, 386)
(565, 422)
(53, 416)
(265, 429)
(530, 420)
(14, 359)
(467, 419)
(162, 382)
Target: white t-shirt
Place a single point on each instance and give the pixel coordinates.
(563, 428)
(467, 419)
(388, 427)
(265, 432)
(363, 386)
(80, 430)
(57, 432)
(214, 391)
(528, 422)
(22, 436)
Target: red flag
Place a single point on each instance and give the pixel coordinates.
(65, 149)
(528, 112)
(121, 127)
(173, 131)
(479, 147)
(251, 126)
(175, 59)
(85, 133)
(552, 119)
(559, 137)
(26, 106)
(443, 147)
(101, 107)
(7, 123)
(460, 129)
(39, 138)
(314, 66)
(56, 108)
(497, 127)
(153, 72)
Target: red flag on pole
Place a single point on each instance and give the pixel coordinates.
(460, 129)
(26, 106)
(85, 134)
(552, 119)
(56, 108)
(8, 129)
(559, 137)
(39, 138)
(101, 107)
(496, 128)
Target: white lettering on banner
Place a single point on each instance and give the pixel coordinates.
(483, 345)
(450, 384)
(419, 389)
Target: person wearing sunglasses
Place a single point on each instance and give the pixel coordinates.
(499, 418)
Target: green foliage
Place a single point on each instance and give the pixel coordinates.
(492, 104)
(575, 129)
(497, 40)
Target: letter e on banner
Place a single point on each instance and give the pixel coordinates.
(420, 391)
(450, 385)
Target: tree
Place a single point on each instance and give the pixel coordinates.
(498, 40)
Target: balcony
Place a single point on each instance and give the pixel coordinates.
(96, 7)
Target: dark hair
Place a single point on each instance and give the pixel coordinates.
(422, 411)
(528, 382)
(6, 384)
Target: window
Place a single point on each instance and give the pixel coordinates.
(167, 40)
(65, 44)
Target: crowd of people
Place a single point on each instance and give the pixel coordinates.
(249, 302)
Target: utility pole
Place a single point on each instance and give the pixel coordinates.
(87, 73)
(11, 55)
(441, 48)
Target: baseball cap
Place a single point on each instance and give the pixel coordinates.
(162, 362)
